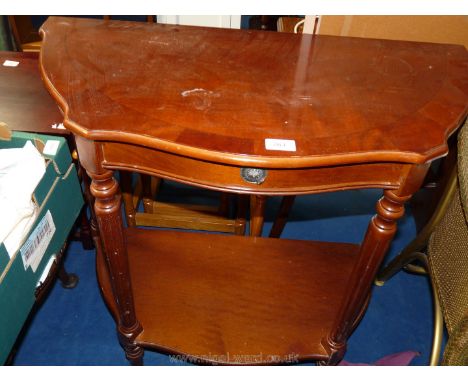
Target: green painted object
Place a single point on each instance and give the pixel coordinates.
(59, 198)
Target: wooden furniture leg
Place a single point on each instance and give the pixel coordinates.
(224, 204)
(107, 207)
(240, 222)
(68, 280)
(257, 214)
(86, 234)
(406, 257)
(127, 195)
(147, 195)
(379, 234)
(282, 216)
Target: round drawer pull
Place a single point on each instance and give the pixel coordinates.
(253, 175)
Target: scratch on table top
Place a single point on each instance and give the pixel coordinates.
(186, 93)
(201, 98)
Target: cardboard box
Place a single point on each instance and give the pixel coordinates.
(439, 29)
(59, 199)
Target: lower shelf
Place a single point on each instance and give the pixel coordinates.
(235, 299)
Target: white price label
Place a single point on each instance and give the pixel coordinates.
(280, 144)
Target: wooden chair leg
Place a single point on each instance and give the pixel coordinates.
(147, 195)
(257, 214)
(224, 204)
(282, 216)
(240, 224)
(127, 196)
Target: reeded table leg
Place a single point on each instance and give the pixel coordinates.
(379, 234)
(108, 214)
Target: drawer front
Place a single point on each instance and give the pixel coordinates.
(253, 181)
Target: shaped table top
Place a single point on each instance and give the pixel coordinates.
(218, 94)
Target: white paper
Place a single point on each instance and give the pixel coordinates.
(21, 229)
(280, 144)
(10, 63)
(51, 147)
(46, 271)
(21, 170)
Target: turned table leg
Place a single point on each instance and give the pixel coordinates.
(107, 207)
(378, 237)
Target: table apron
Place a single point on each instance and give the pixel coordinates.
(228, 178)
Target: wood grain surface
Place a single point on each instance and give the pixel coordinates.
(217, 94)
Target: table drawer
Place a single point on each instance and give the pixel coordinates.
(233, 179)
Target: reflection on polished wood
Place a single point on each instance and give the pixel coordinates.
(224, 288)
(195, 105)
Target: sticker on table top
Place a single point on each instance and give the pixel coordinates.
(10, 63)
(51, 147)
(58, 126)
(280, 144)
(34, 248)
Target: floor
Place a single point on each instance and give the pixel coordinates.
(73, 327)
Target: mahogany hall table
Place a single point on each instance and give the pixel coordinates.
(199, 106)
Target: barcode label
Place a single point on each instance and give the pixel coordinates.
(34, 248)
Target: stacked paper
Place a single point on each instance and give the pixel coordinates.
(21, 170)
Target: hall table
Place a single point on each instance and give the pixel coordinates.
(247, 112)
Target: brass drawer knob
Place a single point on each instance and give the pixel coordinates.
(253, 175)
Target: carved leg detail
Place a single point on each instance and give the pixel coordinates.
(379, 234)
(133, 352)
(108, 214)
(336, 351)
